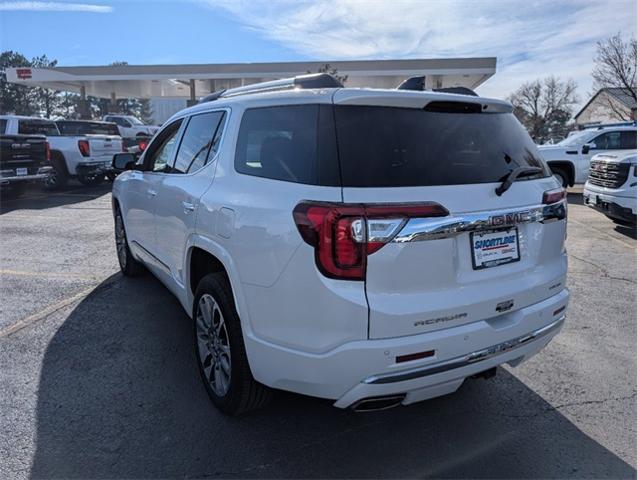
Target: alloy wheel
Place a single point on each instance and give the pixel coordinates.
(213, 344)
(120, 240)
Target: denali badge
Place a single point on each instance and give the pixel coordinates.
(432, 321)
(504, 306)
(510, 218)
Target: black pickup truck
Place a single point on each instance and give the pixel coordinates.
(23, 159)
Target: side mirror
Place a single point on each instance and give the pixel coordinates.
(587, 147)
(124, 161)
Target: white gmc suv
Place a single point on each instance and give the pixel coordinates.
(372, 247)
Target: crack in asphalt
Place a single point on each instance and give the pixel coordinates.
(603, 271)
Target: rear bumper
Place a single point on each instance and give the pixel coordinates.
(363, 369)
(42, 175)
(93, 168)
(622, 207)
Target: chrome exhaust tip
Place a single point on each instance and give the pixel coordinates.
(375, 404)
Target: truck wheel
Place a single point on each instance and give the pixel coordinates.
(59, 177)
(561, 176)
(127, 264)
(90, 180)
(220, 350)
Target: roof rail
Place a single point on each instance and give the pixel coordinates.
(418, 84)
(602, 126)
(314, 80)
(457, 91)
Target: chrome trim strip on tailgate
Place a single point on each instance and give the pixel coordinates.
(463, 361)
(418, 229)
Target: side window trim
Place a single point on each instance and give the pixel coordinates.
(171, 162)
(185, 122)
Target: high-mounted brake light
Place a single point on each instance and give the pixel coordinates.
(553, 196)
(344, 235)
(84, 147)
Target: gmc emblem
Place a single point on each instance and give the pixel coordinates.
(23, 73)
(509, 218)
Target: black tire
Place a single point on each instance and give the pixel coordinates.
(561, 176)
(244, 393)
(90, 180)
(59, 177)
(127, 264)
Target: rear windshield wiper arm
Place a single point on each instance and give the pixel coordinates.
(513, 175)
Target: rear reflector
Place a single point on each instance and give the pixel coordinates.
(553, 196)
(343, 235)
(415, 356)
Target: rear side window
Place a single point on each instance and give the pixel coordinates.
(37, 127)
(629, 139)
(291, 143)
(3, 126)
(404, 147)
(199, 142)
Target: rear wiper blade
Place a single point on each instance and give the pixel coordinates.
(513, 175)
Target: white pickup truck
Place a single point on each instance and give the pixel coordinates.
(131, 127)
(570, 159)
(86, 157)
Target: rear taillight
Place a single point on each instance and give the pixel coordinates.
(142, 145)
(84, 147)
(47, 149)
(553, 196)
(343, 235)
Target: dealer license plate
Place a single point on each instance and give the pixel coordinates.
(493, 248)
(21, 171)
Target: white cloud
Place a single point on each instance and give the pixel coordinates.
(54, 7)
(531, 38)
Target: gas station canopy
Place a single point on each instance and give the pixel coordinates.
(193, 81)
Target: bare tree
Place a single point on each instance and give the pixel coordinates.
(616, 67)
(545, 106)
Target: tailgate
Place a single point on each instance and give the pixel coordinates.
(104, 145)
(22, 151)
(424, 281)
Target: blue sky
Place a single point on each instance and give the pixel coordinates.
(531, 38)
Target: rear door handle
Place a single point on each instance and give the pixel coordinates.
(188, 207)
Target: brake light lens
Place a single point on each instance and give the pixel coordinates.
(84, 147)
(344, 235)
(142, 145)
(47, 149)
(553, 196)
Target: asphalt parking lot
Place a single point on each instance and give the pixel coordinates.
(98, 377)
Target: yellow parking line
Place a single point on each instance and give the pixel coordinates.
(25, 322)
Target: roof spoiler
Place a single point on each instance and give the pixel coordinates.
(418, 84)
(314, 80)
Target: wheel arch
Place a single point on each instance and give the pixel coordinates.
(205, 256)
(566, 167)
(58, 156)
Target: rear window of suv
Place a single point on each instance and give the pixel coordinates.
(382, 146)
(406, 147)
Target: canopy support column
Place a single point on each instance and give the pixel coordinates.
(193, 94)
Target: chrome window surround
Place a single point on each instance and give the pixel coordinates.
(465, 360)
(418, 229)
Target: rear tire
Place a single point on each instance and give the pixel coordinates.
(127, 264)
(59, 177)
(561, 176)
(220, 351)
